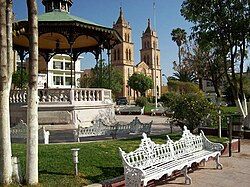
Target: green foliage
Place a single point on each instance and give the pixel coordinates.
(190, 108)
(20, 79)
(99, 78)
(246, 85)
(140, 82)
(183, 87)
(223, 25)
(168, 99)
(141, 101)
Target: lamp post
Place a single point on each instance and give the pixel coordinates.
(75, 159)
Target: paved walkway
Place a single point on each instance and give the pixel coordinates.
(235, 172)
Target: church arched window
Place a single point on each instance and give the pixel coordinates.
(126, 54)
(157, 60)
(118, 54)
(125, 37)
(129, 54)
(148, 44)
(128, 37)
(114, 53)
(147, 59)
(145, 45)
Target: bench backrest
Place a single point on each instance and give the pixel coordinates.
(136, 126)
(20, 132)
(188, 144)
(147, 154)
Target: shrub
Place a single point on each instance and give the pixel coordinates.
(183, 87)
(191, 109)
(168, 99)
(141, 101)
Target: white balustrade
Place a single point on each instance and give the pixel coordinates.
(75, 95)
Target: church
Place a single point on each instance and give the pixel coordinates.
(122, 57)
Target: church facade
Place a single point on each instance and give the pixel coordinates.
(122, 57)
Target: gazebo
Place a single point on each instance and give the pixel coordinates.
(62, 33)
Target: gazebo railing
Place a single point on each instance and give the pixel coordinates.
(74, 95)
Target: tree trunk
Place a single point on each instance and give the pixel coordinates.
(5, 81)
(32, 109)
(179, 54)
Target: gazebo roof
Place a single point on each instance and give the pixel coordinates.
(63, 16)
(59, 29)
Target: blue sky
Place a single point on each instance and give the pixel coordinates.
(105, 12)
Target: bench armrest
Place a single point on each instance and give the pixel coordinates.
(210, 145)
(129, 169)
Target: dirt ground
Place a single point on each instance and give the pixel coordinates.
(235, 172)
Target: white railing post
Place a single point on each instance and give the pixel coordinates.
(102, 95)
(71, 96)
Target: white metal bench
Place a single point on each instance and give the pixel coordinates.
(152, 161)
(130, 110)
(99, 128)
(19, 132)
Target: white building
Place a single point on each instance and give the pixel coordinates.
(59, 71)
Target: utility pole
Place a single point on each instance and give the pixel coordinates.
(154, 43)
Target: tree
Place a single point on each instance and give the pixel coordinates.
(32, 108)
(206, 63)
(140, 82)
(20, 79)
(224, 25)
(98, 77)
(6, 69)
(179, 36)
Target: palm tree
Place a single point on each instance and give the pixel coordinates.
(183, 76)
(32, 108)
(179, 36)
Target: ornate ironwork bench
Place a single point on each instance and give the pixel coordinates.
(100, 128)
(19, 132)
(129, 110)
(152, 161)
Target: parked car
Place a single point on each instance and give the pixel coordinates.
(121, 101)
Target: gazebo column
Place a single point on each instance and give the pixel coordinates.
(74, 58)
(71, 64)
(109, 63)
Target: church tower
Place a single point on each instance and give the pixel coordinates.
(150, 54)
(122, 55)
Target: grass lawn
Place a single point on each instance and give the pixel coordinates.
(98, 161)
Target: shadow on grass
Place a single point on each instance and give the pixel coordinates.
(55, 173)
(107, 173)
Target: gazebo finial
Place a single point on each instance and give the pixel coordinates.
(57, 5)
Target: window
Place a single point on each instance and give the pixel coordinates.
(67, 66)
(118, 54)
(57, 65)
(126, 54)
(129, 54)
(147, 59)
(114, 54)
(67, 80)
(128, 37)
(58, 80)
